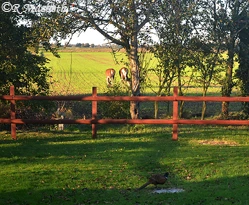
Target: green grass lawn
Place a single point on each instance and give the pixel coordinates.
(210, 163)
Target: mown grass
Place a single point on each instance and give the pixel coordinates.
(209, 163)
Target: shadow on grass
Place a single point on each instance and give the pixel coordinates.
(222, 191)
(71, 168)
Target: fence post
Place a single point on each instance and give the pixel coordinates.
(94, 113)
(175, 115)
(13, 112)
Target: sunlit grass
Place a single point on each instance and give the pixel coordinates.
(209, 163)
(78, 72)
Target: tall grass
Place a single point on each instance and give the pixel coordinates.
(209, 163)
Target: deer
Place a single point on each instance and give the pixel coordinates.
(123, 73)
(109, 74)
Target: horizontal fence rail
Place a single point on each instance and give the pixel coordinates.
(128, 98)
(94, 121)
(126, 121)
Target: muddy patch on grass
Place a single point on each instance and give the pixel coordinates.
(218, 142)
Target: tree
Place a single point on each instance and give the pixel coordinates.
(121, 22)
(226, 15)
(207, 64)
(79, 45)
(174, 25)
(22, 65)
(165, 72)
(206, 49)
(19, 65)
(243, 54)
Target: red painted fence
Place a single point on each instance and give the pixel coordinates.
(94, 121)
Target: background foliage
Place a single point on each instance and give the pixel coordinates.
(21, 66)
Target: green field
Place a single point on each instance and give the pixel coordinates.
(78, 72)
(211, 165)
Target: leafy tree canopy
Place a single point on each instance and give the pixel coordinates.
(20, 64)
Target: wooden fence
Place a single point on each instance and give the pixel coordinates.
(94, 120)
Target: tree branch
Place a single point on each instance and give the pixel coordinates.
(94, 25)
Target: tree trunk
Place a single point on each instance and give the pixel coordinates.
(135, 89)
(156, 104)
(132, 53)
(204, 105)
(156, 109)
(228, 83)
(135, 78)
(180, 93)
(203, 111)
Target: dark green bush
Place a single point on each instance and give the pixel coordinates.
(115, 109)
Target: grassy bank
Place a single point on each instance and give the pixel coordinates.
(209, 163)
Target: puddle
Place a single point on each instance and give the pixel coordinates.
(171, 190)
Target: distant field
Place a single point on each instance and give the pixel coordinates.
(78, 72)
(79, 69)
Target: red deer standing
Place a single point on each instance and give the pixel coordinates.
(123, 73)
(109, 74)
